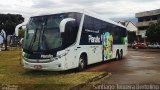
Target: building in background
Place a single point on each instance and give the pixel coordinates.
(132, 31)
(144, 19)
(129, 25)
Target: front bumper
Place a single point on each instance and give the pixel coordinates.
(57, 65)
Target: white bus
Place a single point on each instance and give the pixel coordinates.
(68, 40)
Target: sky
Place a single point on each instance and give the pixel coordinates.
(105, 8)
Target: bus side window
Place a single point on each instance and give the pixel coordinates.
(88, 23)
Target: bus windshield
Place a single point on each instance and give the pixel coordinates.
(43, 33)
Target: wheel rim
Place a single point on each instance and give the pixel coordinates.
(117, 56)
(81, 63)
(121, 55)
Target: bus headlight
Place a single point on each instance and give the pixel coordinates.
(59, 55)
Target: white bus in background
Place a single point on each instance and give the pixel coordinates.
(68, 40)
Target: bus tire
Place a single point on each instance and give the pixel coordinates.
(121, 54)
(82, 62)
(117, 55)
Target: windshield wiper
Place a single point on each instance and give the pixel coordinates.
(33, 39)
(42, 45)
(40, 37)
(42, 40)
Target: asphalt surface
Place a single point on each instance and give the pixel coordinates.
(138, 67)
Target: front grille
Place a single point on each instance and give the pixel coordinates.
(38, 60)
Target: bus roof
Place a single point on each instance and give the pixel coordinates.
(86, 12)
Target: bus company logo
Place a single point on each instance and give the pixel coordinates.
(94, 39)
(46, 56)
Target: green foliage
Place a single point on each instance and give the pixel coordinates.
(153, 32)
(8, 22)
(12, 72)
(131, 37)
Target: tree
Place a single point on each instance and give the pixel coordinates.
(131, 36)
(153, 32)
(8, 22)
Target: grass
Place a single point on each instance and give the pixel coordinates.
(12, 72)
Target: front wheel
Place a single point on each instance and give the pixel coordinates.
(82, 64)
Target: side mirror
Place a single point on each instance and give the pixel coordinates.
(18, 26)
(24, 27)
(63, 23)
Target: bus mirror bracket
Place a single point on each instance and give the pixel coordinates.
(63, 23)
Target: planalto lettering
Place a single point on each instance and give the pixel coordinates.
(46, 56)
(94, 39)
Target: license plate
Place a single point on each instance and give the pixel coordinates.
(38, 67)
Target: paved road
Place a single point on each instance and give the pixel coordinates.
(138, 67)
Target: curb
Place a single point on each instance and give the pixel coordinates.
(96, 78)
